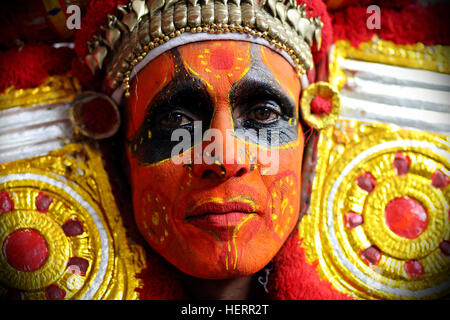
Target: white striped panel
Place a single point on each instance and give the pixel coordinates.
(34, 131)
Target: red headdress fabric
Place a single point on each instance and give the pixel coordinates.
(293, 278)
(96, 16)
(403, 23)
(30, 65)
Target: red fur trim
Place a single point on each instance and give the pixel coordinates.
(160, 281)
(402, 25)
(292, 278)
(339, 4)
(81, 71)
(30, 65)
(96, 16)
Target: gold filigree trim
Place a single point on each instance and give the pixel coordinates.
(418, 56)
(54, 89)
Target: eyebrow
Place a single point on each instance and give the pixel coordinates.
(184, 86)
(182, 93)
(260, 84)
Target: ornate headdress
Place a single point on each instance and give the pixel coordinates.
(142, 30)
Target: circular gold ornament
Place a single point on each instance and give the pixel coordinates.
(361, 247)
(327, 92)
(79, 251)
(58, 247)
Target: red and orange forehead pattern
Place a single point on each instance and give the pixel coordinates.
(219, 64)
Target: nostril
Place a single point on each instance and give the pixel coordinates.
(208, 173)
(241, 172)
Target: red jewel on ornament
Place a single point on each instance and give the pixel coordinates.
(25, 250)
(353, 219)
(406, 217)
(414, 269)
(53, 292)
(43, 202)
(366, 181)
(6, 203)
(72, 228)
(78, 265)
(444, 247)
(439, 179)
(371, 255)
(401, 164)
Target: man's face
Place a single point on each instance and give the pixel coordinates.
(226, 217)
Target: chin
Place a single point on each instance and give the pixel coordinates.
(219, 272)
(216, 265)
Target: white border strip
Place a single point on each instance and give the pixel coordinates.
(27, 132)
(400, 73)
(364, 110)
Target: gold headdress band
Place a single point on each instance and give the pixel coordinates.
(142, 27)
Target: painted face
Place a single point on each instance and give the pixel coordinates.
(224, 217)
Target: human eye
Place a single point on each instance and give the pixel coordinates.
(264, 113)
(175, 119)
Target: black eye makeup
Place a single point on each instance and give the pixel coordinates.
(259, 103)
(263, 113)
(183, 101)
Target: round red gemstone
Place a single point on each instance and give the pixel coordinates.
(371, 255)
(6, 203)
(320, 106)
(353, 219)
(25, 250)
(72, 228)
(366, 181)
(53, 292)
(98, 115)
(401, 164)
(439, 179)
(43, 202)
(406, 217)
(78, 265)
(444, 246)
(414, 268)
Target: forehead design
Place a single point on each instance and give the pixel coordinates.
(217, 62)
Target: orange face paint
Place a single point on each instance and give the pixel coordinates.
(223, 219)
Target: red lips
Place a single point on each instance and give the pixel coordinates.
(221, 208)
(220, 218)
